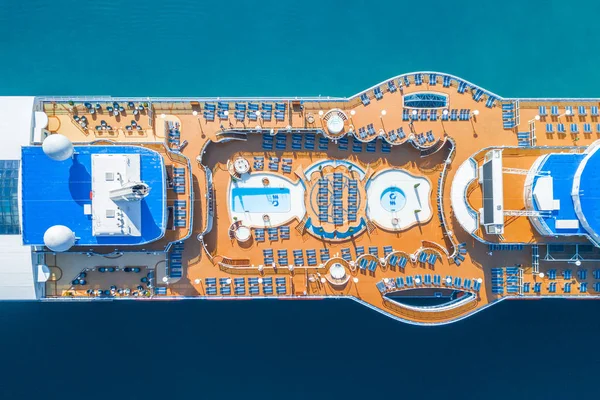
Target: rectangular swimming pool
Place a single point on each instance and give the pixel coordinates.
(260, 200)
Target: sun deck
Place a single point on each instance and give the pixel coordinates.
(375, 197)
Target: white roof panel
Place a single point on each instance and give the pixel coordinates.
(17, 280)
(16, 116)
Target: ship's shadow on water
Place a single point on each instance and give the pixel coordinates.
(521, 342)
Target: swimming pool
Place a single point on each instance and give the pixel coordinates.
(260, 199)
(392, 199)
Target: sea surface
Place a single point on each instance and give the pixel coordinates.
(334, 349)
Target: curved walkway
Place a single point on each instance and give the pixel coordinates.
(466, 216)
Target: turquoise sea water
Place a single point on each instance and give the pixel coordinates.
(283, 349)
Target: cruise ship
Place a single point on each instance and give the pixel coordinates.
(426, 198)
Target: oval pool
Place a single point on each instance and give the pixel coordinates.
(393, 199)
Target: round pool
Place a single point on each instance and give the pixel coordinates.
(393, 199)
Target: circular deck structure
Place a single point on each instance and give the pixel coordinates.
(397, 200)
(335, 122)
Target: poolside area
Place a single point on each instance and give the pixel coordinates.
(266, 199)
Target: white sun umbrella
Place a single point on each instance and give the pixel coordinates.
(445, 112)
(291, 268)
(165, 279)
(479, 280)
(194, 113)
(541, 274)
(322, 280)
(197, 281)
(355, 280)
(381, 260)
(320, 113)
(383, 112)
(225, 113)
(414, 112)
(163, 116)
(228, 281)
(352, 112)
(386, 280)
(260, 281)
(448, 280)
(258, 114)
(417, 280)
(260, 268)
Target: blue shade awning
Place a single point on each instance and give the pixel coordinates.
(57, 193)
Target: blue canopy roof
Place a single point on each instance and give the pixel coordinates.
(562, 167)
(587, 198)
(55, 192)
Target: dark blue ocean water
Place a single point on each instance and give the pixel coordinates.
(283, 349)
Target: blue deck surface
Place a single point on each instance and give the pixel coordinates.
(54, 193)
(562, 168)
(589, 191)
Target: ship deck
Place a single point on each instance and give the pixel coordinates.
(212, 250)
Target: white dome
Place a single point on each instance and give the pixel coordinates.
(59, 238)
(335, 124)
(337, 271)
(57, 147)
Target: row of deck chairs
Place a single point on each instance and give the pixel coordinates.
(338, 192)
(568, 274)
(569, 111)
(243, 109)
(497, 280)
(417, 280)
(512, 247)
(397, 261)
(279, 141)
(173, 134)
(259, 163)
(352, 200)
(309, 141)
(397, 134)
(508, 115)
(274, 233)
(430, 258)
(298, 257)
(574, 128)
(365, 264)
(462, 251)
(179, 180)
(360, 250)
(512, 280)
(371, 147)
(364, 133)
(175, 257)
(323, 200)
(254, 285)
(423, 139)
(179, 213)
(566, 288)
